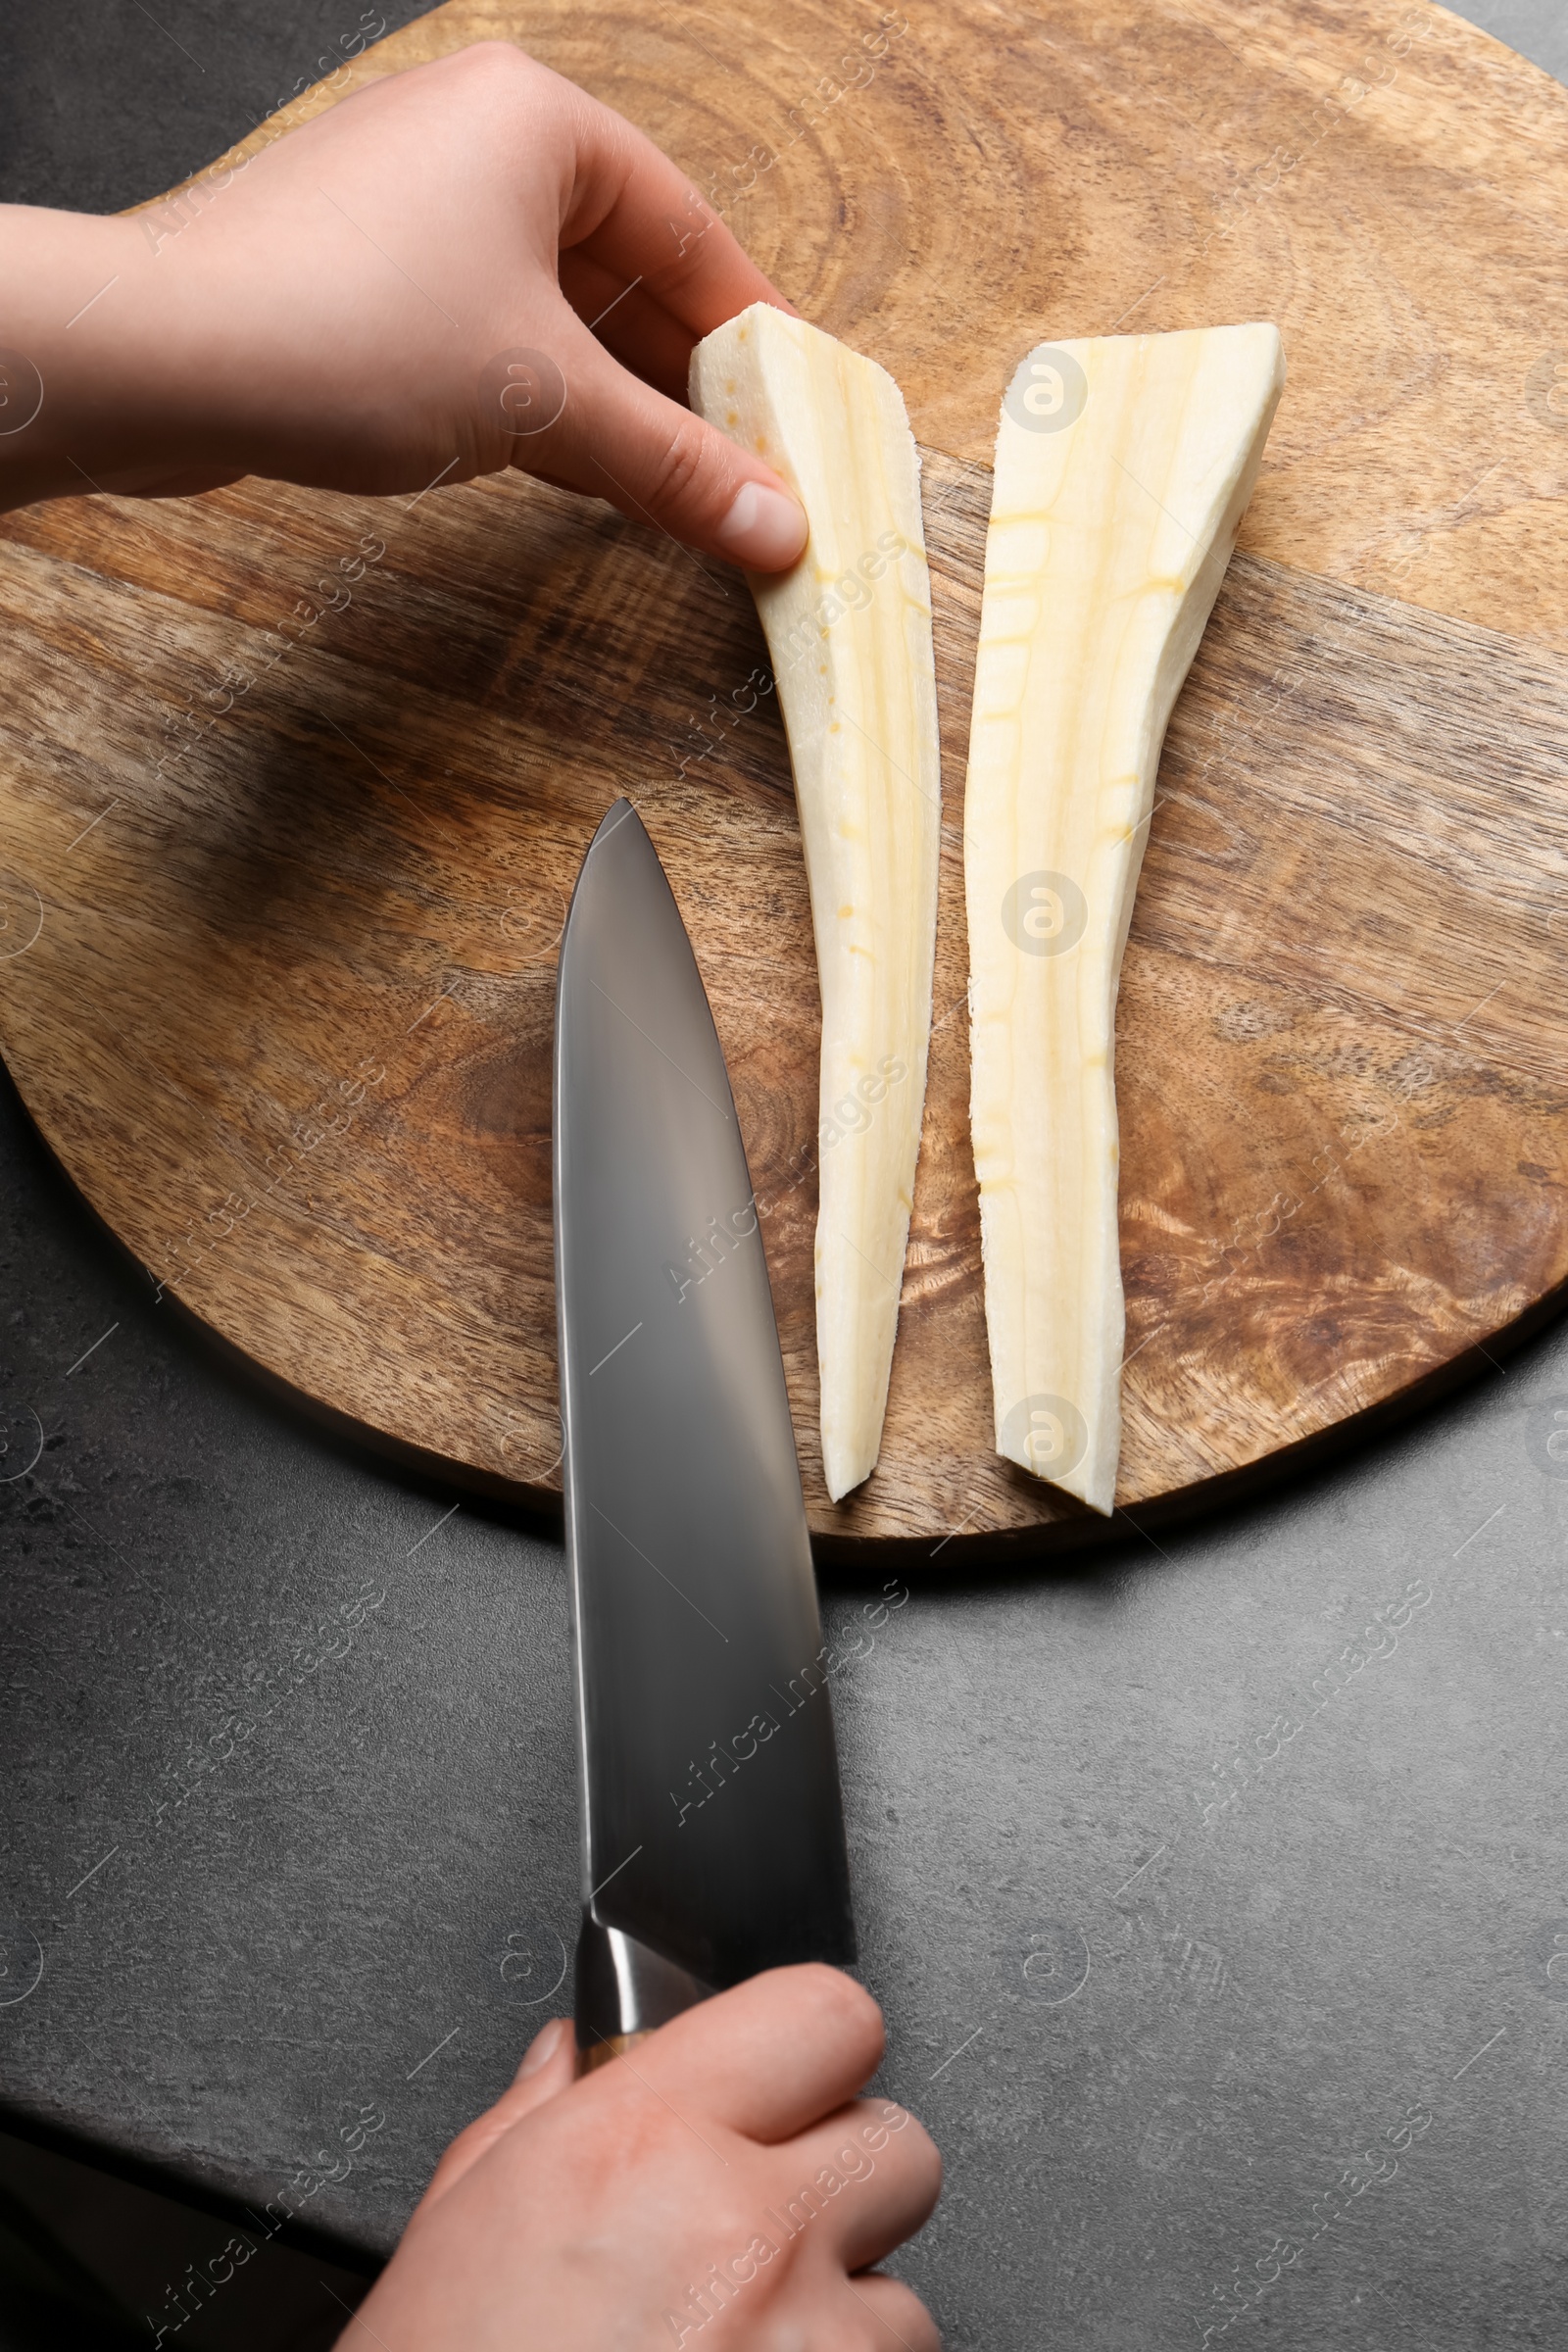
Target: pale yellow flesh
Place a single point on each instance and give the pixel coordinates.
(1109, 538)
(849, 632)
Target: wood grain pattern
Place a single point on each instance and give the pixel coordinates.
(1384, 182)
(287, 1008)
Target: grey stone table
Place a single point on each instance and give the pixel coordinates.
(1216, 1891)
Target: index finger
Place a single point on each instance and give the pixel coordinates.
(639, 216)
(770, 2057)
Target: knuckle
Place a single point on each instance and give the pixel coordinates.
(852, 2007)
(730, 2217)
(495, 56)
(911, 2156)
(887, 2306)
(902, 2309)
(831, 1984)
(924, 2159)
(683, 268)
(680, 466)
(498, 66)
(835, 2005)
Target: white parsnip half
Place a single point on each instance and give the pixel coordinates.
(1123, 465)
(849, 633)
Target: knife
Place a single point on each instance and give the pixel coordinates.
(713, 1832)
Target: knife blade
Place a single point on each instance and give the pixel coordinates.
(713, 1832)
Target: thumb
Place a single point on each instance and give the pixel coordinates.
(619, 439)
(548, 2068)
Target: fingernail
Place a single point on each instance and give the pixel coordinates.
(763, 529)
(544, 2047)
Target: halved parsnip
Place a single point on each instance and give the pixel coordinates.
(1122, 468)
(849, 630)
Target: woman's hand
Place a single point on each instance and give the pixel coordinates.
(721, 2186)
(403, 292)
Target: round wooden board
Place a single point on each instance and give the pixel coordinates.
(283, 1007)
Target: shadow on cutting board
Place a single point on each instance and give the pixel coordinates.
(93, 2262)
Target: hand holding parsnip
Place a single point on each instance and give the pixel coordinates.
(354, 307)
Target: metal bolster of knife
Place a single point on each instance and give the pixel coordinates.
(624, 1992)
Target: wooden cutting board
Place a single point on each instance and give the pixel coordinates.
(283, 1010)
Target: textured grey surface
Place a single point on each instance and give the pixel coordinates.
(1537, 28)
(1177, 1909)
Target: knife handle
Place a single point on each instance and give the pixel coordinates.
(624, 1992)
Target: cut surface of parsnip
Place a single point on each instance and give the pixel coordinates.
(1123, 465)
(849, 633)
